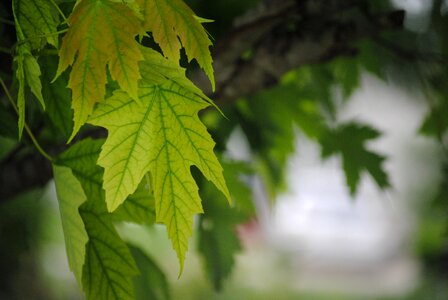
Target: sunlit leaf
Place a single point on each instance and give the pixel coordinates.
(173, 25)
(164, 136)
(138, 207)
(101, 33)
(108, 268)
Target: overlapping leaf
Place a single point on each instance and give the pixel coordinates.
(218, 242)
(108, 268)
(162, 135)
(173, 25)
(152, 283)
(57, 96)
(101, 33)
(81, 158)
(138, 207)
(71, 196)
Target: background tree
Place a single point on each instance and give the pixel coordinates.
(276, 66)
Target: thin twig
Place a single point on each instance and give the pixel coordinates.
(28, 130)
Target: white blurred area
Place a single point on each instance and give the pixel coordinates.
(322, 240)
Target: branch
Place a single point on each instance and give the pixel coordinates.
(287, 36)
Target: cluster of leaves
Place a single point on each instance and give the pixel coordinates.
(95, 69)
(141, 172)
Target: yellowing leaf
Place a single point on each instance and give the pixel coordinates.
(164, 136)
(101, 33)
(171, 21)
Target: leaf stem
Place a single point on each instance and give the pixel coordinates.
(59, 10)
(27, 128)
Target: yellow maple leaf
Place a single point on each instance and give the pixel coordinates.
(173, 25)
(101, 33)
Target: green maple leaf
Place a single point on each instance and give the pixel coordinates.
(218, 242)
(101, 33)
(57, 96)
(108, 269)
(164, 136)
(71, 196)
(349, 140)
(173, 25)
(138, 207)
(81, 158)
(152, 282)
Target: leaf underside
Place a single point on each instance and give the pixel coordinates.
(70, 196)
(349, 140)
(164, 136)
(173, 25)
(101, 33)
(108, 269)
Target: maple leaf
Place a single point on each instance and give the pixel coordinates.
(138, 207)
(173, 25)
(71, 196)
(349, 140)
(152, 282)
(109, 268)
(164, 136)
(218, 242)
(106, 263)
(57, 96)
(101, 33)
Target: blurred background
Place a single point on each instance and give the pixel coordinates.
(352, 209)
